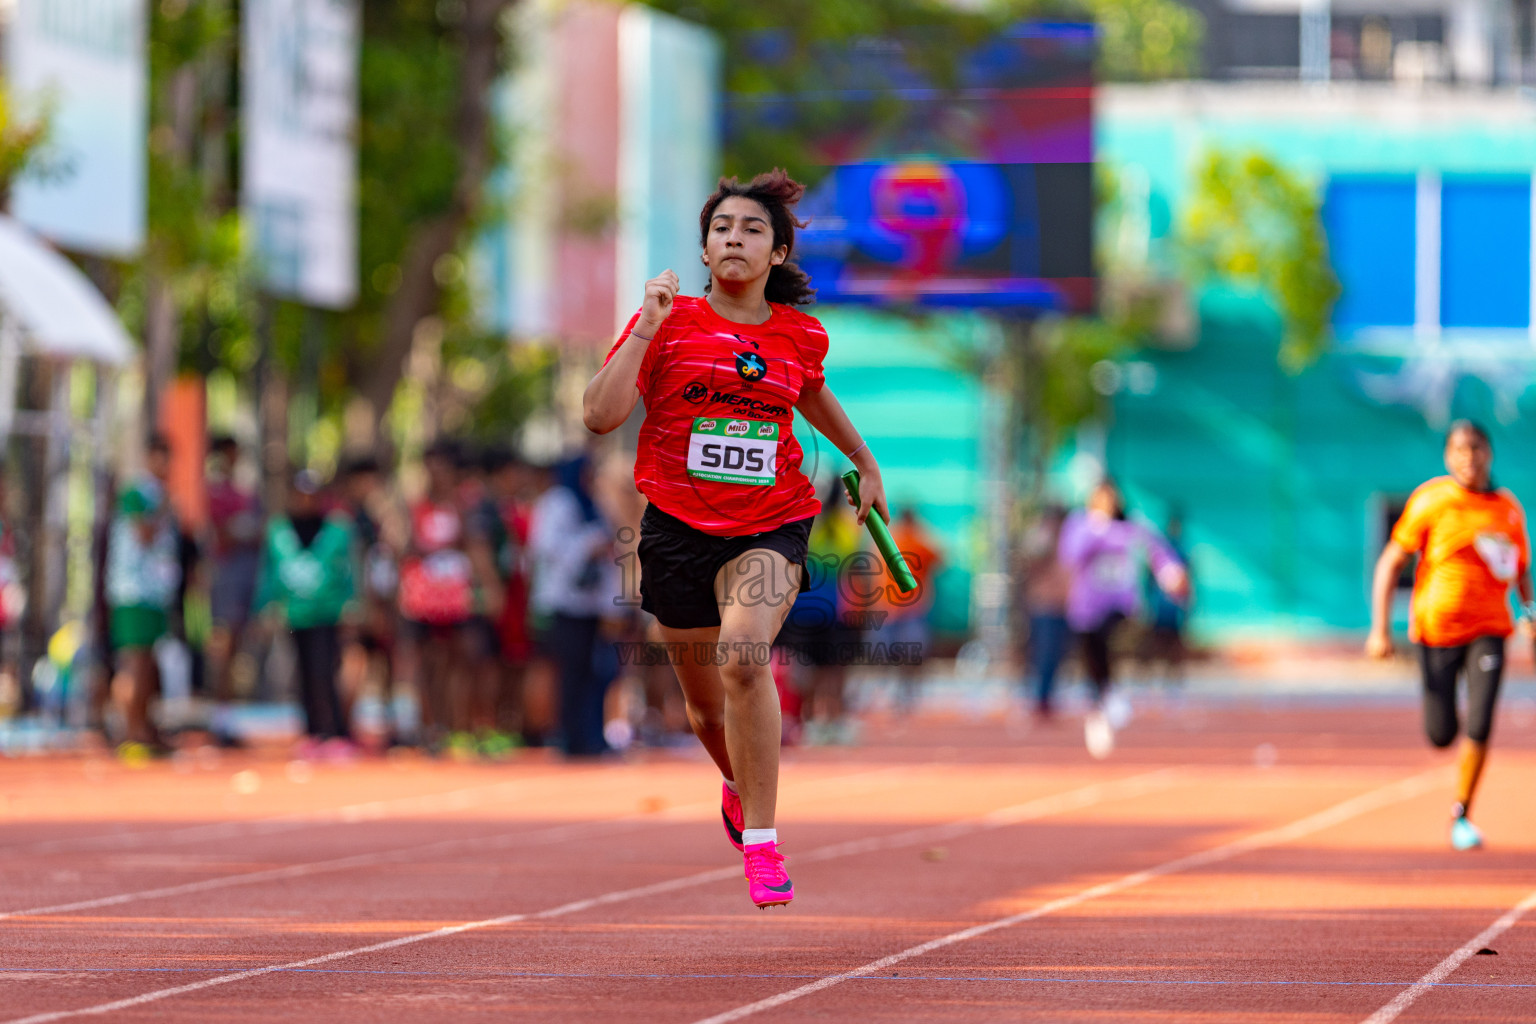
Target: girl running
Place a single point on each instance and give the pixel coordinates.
(1103, 550)
(1472, 545)
(723, 540)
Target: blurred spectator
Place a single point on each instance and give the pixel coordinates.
(437, 594)
(101, 609)
(475, 697)
(903, 618)
(541, 677)
(508, 480)
(573, 588)
(1167, 614)
(369, 645)
(157, 461)
(13, 599)
(821, 632)
(664, 718)
(1046, 582)
(1103, 550)
(234, 548)
(143, 577)
(306, 580)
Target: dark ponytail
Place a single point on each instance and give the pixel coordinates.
(776, 192)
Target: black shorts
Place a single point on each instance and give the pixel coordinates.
(474, 638)
(679, 562)
(831, 647)
(1482, 661)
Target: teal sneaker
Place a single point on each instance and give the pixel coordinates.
(1464, 835)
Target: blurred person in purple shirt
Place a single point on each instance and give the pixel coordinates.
(1103, 550)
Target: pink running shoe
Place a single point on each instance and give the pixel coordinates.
(767, 881)
(730, 813)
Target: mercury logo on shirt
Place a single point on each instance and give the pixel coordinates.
(750, 366)
(748, 404)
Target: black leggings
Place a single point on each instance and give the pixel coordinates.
(1098, 663)
(319, 655)
(572, 639)
(1483, 662)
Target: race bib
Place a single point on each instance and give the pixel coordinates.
(1113, 570)
(1499, 554)
(448, 566)
(733, 451)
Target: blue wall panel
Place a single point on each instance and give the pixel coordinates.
(1370, 222)
(1485, 252)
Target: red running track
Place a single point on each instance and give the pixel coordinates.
(1229, 863)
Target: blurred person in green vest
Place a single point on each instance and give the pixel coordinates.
(143, 578)
(307, 584)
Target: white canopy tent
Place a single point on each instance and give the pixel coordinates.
(49, 308)
(51, 311)
(58, 309)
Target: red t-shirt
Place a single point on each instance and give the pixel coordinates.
(716, 448)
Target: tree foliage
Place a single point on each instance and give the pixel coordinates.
(24, 138)
(421, 157)
(1248, 221)
(1251, 221)
(193, 259)
(407, 161)
(1059, 371)
(1145, 40)
(428, 142)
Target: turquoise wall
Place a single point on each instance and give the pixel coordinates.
(1166, 147)
(904, 386)
(1283, 479)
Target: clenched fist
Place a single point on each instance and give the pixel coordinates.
(659, 293)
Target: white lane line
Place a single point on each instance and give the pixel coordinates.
(372, 810)
(1135, 785)
(842, 785)
(1445, 968)
(1339, 813)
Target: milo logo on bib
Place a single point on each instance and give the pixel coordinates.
(733, 451)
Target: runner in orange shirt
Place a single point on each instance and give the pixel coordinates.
(1472, 545)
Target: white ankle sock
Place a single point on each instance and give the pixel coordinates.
(754, 836)
(731, 786)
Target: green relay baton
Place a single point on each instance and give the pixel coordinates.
(894, 560)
